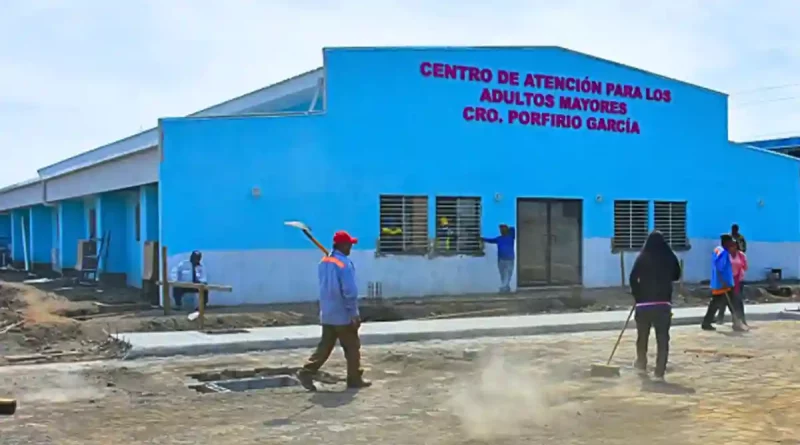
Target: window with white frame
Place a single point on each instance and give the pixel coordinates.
(403, 225)
(458, 225)
(630, 225)
(669, 218)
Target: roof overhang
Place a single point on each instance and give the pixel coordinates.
(277, 95)
(274, 98)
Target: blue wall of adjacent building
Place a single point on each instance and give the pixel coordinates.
(149, 208)
(392, 128)
(41, 223)
(5, 230)
(72, 228)
(113, 215)
(125, 218)
(20, 234)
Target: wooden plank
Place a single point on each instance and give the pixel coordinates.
(199, 286)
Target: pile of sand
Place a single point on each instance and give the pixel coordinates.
(19, 302)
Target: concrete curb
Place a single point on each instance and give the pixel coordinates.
(197, 343)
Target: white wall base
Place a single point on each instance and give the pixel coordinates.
(271, 276)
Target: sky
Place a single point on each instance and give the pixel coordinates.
(78, 74)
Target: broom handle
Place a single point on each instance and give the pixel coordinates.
(620, 334)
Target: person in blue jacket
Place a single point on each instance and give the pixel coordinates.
(722, 284)
(338, 314)
(505, 255)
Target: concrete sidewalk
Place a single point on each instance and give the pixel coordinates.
(197, 343)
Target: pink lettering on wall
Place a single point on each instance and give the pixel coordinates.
(518, 98)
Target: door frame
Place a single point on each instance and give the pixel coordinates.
(548, 255)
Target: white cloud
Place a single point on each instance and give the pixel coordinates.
(79, 74)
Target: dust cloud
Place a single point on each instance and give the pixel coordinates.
(506, 398)
(62, 388)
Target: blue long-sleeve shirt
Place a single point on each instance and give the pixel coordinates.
(721, 271)
(338, 294)
(505, 244)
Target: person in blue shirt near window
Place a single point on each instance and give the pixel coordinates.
(338, 314)
(505, 255)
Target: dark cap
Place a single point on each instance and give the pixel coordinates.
(726, 238)
(343, 237)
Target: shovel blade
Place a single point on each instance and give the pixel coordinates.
(298, 224)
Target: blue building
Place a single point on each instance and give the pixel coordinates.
(419, 152)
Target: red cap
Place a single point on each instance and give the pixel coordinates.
(343, 237)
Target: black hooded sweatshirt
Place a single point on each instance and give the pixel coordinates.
(654, 271)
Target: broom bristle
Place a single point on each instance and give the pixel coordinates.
(604, 371)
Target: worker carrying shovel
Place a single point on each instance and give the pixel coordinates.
(338, 314)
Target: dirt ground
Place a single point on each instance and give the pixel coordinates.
(723, 388)
(56, 320)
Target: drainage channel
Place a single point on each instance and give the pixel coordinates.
(242, 380)
(242, 385)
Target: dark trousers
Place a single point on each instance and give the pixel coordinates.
(717, 302)
(659, 318)
(351, 344)
(178, 293)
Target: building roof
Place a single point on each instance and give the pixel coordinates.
(786, 143)
(251, 102)
(521, 48)
(299, 84)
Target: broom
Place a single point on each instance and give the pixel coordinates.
(606, 370)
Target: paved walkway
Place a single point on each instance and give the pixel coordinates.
(288, 337)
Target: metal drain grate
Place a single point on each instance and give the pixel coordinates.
(249, 384)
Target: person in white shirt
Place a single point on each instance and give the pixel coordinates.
(190, 271)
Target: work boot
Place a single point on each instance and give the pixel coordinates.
(306, 380)
(640, 367)
(707, 327)
(358, 383)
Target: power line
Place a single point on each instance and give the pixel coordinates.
(766, 101)
(767, 88)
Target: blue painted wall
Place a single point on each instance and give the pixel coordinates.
(55, 233)
(90, 203)
(20, 219)
(73, 228)
(133, 242)
(41, 234)
(149, 206)
(389, 129)
(5, 230)
(112, 211)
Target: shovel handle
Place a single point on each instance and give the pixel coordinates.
(316, 243)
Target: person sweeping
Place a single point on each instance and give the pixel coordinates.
(651, 278)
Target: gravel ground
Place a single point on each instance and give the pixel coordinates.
(723, 388)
